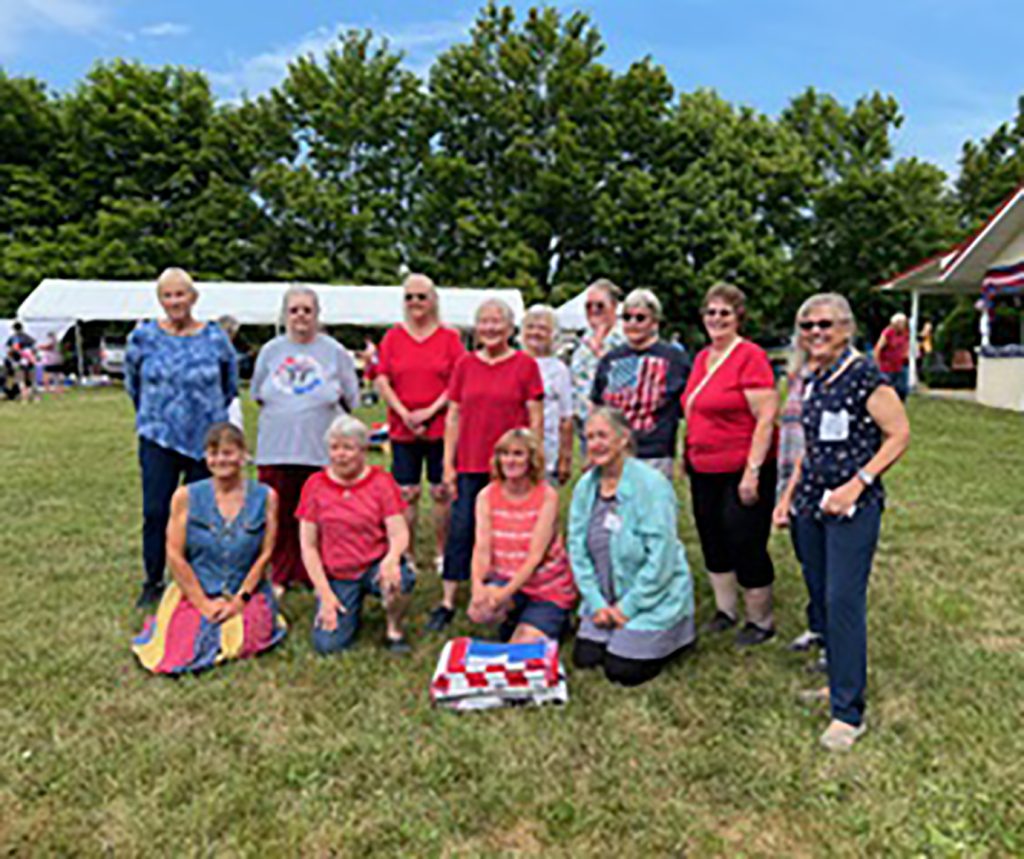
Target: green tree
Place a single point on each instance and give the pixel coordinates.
(990, 170)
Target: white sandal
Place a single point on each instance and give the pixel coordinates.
(840, 737)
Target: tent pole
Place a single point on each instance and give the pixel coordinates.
(79, 355)
(915, 313)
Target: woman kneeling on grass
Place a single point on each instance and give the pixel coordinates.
(520, 571)
(353, 536)
(629, 564)
(219, 541)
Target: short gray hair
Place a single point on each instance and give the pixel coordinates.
(617, 421)
(174, 273)
(499, 303)
(347, 426)
(644, 298)
(608, 287)
(542, 311)
(296, 290)
(843, 313)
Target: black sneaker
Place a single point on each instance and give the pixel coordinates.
(440, 618)
(719, 623)
(398, 645)
(150, 596)
(752, 635)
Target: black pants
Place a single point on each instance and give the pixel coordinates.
(619, 669)
(162, 472)
(733, 536)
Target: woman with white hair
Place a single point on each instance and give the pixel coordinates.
(354, 537)
(855, 428)
(644, 378)
(493, 389)
(181, 375)
(302, 380)
(892, 354)
(415, 363)
(540, 325)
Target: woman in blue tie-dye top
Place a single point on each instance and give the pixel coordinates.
(181, 374)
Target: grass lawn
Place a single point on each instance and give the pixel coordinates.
(296, 754)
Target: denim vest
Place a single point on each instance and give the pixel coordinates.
(222, 553)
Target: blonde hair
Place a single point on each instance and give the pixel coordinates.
(431, 288)
(172, 274)
(525, 438)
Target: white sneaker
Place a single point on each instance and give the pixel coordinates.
(805, 641)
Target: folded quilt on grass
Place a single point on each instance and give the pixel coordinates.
(479, 675)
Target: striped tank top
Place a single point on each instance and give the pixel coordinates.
(512, 525)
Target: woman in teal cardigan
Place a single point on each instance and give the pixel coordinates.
(630, 567)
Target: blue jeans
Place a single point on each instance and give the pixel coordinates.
(350, 593)
(162, 472)
(900, 380)
(836, 554)
(458, 551)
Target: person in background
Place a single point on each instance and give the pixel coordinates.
(855, 428)
(602, 309)
(180, 374)
(415, 364)
(302, 381)
(643, 378)
(354, 539)
(219, 606)
(926, 344)
(52, 363)
(730, 403)
(229, 325)
(636, 613)
(540, 325)
(892, 354)
(493, 389)
(520, 573)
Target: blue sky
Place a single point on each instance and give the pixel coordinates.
(951, 64)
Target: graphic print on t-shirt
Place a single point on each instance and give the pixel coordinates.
(298, 375)
(637, 386)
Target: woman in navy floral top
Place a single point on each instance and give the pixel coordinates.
(181, 374)
(854, 428)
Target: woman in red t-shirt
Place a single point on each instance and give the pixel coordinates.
(414, 365)
(494, 389)
(353, 536)
(730, 403)
(892, 353)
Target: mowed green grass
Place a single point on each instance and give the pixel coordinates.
(296, 754)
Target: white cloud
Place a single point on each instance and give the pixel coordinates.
(20, 18)
(258, 73)
(165, 29)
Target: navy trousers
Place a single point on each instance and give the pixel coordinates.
(458, 551)
(836, 554)
(162, 473)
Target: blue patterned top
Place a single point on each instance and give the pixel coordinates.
(840, 436)
(180, 386)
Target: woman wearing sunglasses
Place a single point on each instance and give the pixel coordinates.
(730, 405)
(643, 379)
(301, 381)
(414, 366)
(855, 428)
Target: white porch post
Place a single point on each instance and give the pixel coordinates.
(915, 312)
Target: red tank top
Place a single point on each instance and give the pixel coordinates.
(512, 525)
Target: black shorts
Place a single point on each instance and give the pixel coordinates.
(733, 536)
(407, 458)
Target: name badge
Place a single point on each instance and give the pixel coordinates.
(835, 426)
(612, 522)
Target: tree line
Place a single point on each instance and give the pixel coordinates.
(520, 160)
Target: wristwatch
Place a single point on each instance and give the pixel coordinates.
(866, 477)
(754, 469)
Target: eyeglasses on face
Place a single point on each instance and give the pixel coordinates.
(416, 296)
(724, 312)
(635, 317)
(296, 309)
(811, 324)
(595, 306)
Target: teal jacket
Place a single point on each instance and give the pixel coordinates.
(649, 567)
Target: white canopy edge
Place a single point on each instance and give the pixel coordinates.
(572, 316)
(249, 303)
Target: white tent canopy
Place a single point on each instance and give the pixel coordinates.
(572, 316)
(249, 303)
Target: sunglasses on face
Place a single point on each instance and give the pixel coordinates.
(712, 312)
(595, 306)
(635, 317)
(294, 311)
(811, 324)
(416, 296)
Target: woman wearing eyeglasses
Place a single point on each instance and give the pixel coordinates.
(415, 362)
(855, 428)
(301, 382)
(643, 379)
(730, 404)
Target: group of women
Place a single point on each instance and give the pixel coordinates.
(493, 428)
